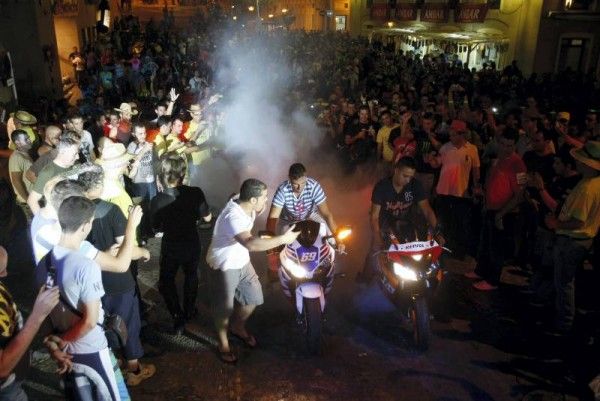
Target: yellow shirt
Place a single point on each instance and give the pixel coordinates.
(382, 138)
(204, 154)
(169, 143)
(583, 204)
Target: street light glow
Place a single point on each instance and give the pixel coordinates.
(235, 17)
(250, 8)
(284, 10)
(390, 24)
(271, 15)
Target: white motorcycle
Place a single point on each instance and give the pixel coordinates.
(306, 272)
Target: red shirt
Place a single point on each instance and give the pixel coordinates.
(505, 179)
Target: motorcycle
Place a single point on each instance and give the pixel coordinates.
(408, 274)
(306, 271)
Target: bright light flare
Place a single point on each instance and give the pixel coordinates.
(294, 268)
(250, 8)
(404, 272)
(344, 233)
(417, 257)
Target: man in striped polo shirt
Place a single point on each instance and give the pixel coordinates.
(299, 198)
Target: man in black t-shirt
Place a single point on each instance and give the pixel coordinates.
(359, 136)
(395, 203)
(121, 297)
(175, 212)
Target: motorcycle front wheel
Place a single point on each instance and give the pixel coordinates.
(421, 323)
(314, 324)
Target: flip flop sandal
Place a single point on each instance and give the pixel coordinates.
(227, 357)
(249, 341)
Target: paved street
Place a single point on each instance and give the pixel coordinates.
(492, 349)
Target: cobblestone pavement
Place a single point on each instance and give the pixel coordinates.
(489, 351)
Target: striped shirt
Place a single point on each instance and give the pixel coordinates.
(299, 207)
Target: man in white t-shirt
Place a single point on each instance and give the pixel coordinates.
(232, 276)
(45, 230)
(86, 146)
(459, 160)
(78, 318)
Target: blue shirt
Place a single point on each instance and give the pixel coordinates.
(299, 207)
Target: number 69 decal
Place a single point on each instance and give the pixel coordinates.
(308, 257)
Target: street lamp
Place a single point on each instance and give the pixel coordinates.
(103, 17)
(284, 10)
(271, 15)
(250, 8)
(390, 24)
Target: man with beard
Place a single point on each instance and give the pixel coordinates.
(359, 136)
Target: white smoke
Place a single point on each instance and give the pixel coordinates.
(263, 131)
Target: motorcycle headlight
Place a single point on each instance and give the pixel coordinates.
(404, 272)
(296, 270)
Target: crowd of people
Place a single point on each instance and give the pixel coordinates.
(505, 167)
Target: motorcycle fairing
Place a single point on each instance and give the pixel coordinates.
(308, 257)
(397, 251)
(309, 290)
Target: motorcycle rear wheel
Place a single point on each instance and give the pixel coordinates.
(314, 324)
(421, 323)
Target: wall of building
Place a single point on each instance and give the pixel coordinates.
(550, 32)
(27, 32)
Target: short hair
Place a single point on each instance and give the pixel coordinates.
(251, 188)
(383, 113)
(14, 136)
(74, 212)
(364, 107)
(511, 134)
(137, 124)
(163, 120)
(92, 178)
(161, 104)
(172, 167)
(63, 190)
(407, 161)
(75, 116)
(68, 138)
(296, 171)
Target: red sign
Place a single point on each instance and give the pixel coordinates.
(66, 7)
(380, 11)
(434, 13)
(406, 12)
(470, 12)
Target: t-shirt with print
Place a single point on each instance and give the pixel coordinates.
(395, 205)
(424, 148)
(20, 163)
(505, 179)
(110, 223)
(11, 320)
(225, 252)
(45, 234)
(145, 171)
(79, 282)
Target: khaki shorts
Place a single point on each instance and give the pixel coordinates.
(239, 285)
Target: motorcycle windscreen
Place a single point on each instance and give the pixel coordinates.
(308, 257)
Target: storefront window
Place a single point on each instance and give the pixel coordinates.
(340, 22)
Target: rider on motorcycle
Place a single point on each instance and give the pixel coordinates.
(395, 203)
(299, 198)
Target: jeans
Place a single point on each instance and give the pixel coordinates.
(494, 247)
(13, 392)
(568, 256)
(455, 216)
(126, 305)
(173, 256)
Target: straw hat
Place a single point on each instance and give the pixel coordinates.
(113, 155)
(589, 154)
(126, 108)
(25, 118)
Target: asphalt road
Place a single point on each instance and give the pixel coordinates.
(492, 349)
